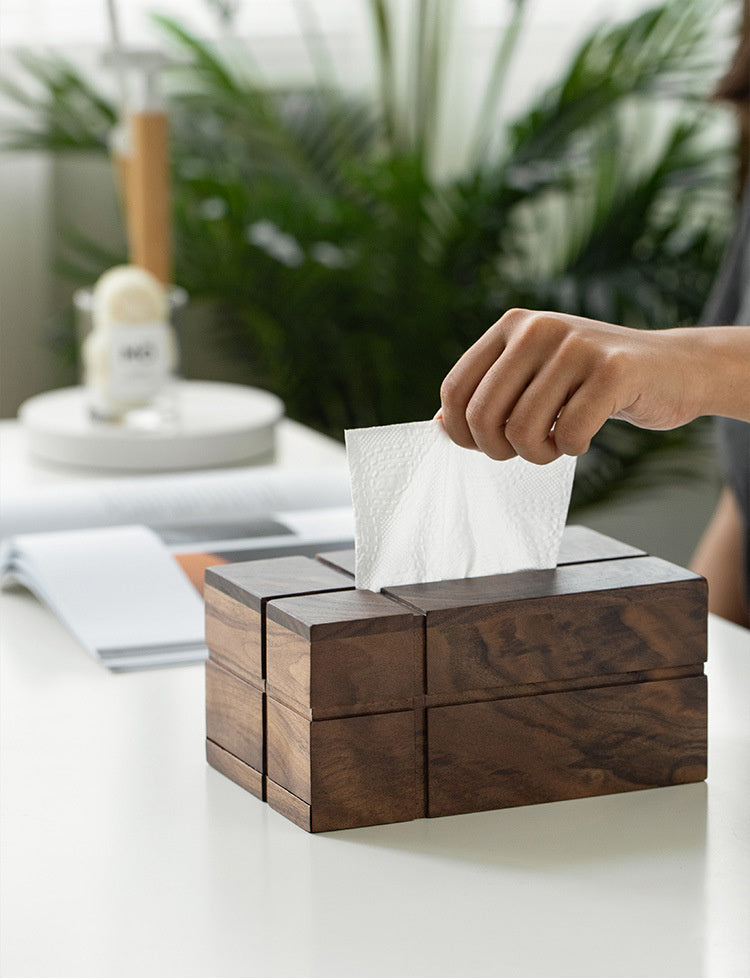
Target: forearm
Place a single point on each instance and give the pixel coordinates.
(719, 363)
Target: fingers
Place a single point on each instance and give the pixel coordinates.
(507, 355)
(495, 400)
(535, 385)
(582, 417)
(461, 382)
(530, 425)
(490, 407)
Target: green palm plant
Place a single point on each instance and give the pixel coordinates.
(349, 272)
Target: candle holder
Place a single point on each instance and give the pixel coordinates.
(123, 386)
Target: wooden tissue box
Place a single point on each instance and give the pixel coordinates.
(344, 708)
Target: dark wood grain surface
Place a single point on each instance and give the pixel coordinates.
(336, 615)
(288, 749)
(565, 684)
(288, 805)
(342, 561)
(567, 580)
(236, 770)
(347, 650)
(363, 771)
(562, 746)
(236, 596)
(234, 635)
(563, 637)
(253, 582)
(609, 616)
(235, 715)
(353, 772)
(580, 544)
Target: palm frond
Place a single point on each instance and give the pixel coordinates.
(386, 62)
(654, 54)
(317, 47)
(486, 119)
(69, 114)
(620, 243)
(207, 67)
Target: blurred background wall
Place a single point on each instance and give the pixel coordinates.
(41, 194)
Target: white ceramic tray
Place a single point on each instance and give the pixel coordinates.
(216, 424)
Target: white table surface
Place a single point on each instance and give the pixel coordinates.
(125, 854)
(296, 445)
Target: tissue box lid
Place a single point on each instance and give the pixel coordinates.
(255, 582)
(575, 621)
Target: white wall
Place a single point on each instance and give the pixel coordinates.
(72, 22)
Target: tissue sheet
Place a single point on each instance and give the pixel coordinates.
(426, 510)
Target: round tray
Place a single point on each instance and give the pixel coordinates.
(217, 424)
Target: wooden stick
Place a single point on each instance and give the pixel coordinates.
(149, 195)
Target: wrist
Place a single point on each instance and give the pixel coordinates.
(716, 370)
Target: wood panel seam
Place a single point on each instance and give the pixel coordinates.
(218, 661)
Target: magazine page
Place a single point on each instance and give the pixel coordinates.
(118, 590)
(133, 597)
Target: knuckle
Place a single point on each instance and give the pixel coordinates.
(487, 430)
(461, 438)
(449, 389)
(570, 437)
(515, 432)
(515, 324)
(503, 327)
(535, 329)
(496, 446)
(541, 331)
(573, 348)
(536, 454)
(514, 315)
(477, 416)
(613, 368)
(518, 434)
(501, 452)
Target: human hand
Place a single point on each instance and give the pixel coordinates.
(540, 385)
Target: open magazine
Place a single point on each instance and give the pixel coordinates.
(121, 562)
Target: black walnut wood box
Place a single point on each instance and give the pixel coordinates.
(344, 708)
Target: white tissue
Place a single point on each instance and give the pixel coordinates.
(426, 510)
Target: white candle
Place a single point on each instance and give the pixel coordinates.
(132, 351)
